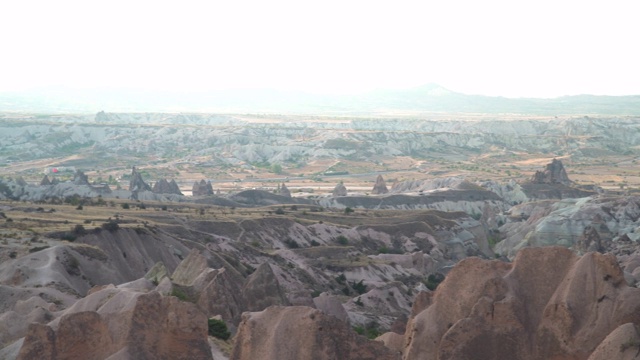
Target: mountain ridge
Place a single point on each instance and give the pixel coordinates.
(424, 98)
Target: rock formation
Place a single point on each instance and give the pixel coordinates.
(202, 188)
(380, 186)
(136, 183)
(302, 333)
(79, 178)
(554, 173)
(165, 187)
(339, 190)
(263, 290)
(282, 190)
(591, 241)
(123, 324)
(20, 181)
(548, 304)
(45, 181)
(215, 291)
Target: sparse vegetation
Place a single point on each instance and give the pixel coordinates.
(433, 281)
(218, 329)
(110, 226)
(180, 294)
(370, 330)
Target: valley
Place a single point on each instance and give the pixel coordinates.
(395, 235)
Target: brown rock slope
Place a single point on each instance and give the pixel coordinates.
(548, 304)
(301, 333)
(121, 324)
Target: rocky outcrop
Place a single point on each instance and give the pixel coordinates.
(282, 190)
(548, 304)
(166, 187)
(265, 198)
(331, 305)
(554, 173)
(591, 241)
(45, 181)
(21, 181)
(622, 344)
(303, 333)
(202, 188)
(339, 190)
(380, 186)
(565, 223)
(123, 324)
(137, 184)
(263, 290)
(79, 178)
(215, 291)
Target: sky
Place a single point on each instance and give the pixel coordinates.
(501, 48)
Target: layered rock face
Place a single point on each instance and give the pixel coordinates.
(300, 332)
(554, 173)
(137, 183)
(202, 188)
(548, 304)
(166, 187)
(380, 186)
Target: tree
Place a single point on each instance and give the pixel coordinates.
(276, 169)
(218, 328)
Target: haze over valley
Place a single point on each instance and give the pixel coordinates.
(325, 181)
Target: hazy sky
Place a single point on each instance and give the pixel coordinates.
(509, 48)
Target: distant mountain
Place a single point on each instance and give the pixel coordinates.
(427, 98)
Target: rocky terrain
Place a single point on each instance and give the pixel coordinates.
(120, 263)
(294, 140)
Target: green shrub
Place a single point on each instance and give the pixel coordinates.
(38, 248)
(359, 287)
(342, 240)
(291, 244)
(218, 328)
(79, 230)
(180, 294)
(110, 226)
(433, 281)
(370, 331)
